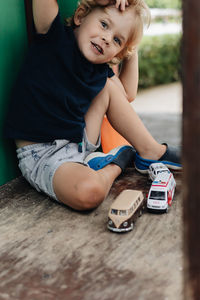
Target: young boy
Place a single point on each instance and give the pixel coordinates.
(63, 92)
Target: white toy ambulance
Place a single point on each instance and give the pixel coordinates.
(155, 169)
(161, 193)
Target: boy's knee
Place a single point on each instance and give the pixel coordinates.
(90, 194)
(114, 88)
(108, 86)
(87, 194)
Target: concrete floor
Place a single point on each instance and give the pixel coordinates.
(160, 109)
(162, 99)
(48, 251)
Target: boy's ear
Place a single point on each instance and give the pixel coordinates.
(79, 15)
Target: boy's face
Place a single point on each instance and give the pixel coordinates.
(103, 33)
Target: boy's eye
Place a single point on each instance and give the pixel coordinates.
(104, 24)
(117, 40)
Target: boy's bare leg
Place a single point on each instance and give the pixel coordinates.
(83, 188)
(124, 119)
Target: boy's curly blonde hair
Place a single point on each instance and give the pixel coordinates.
(141, 16)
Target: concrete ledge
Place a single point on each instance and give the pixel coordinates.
(49, 251)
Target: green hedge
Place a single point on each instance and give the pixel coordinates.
(159, 60)
(164, 3)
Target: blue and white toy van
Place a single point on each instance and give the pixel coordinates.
(161, 193)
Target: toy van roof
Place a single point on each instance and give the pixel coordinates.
(162, 179)
(157, 166)
(126, 199)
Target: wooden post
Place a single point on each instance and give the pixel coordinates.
(191, 147)
(29, 19)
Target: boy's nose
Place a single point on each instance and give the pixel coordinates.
(106, 39)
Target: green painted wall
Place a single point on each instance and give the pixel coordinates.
(13, 46)
(67, 7)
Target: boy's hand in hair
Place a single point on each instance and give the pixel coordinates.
(120, 4)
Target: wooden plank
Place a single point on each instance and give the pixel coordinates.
(191, 146)
(48, 251)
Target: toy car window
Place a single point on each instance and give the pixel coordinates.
(162, 171)
(114, 211)
(157, 195)
(123, 212)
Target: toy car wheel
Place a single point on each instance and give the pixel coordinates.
(166, 210)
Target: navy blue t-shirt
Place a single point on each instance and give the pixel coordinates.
(54, 89)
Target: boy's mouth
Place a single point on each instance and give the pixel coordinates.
(99, 49)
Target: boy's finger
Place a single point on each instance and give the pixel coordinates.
(121, 4)
(117, 3)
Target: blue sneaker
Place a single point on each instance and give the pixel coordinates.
(123, 156)
(171, 158)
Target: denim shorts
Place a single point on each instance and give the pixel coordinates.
(38, 162)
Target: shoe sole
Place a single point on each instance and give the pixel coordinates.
(172, 167)
(112, 152)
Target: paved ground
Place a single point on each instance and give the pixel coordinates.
(160, 108)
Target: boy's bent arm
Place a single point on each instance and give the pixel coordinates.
(44, 12)
(129, 76)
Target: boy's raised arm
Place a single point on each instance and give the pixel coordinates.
(129, 76)
(44, 12)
